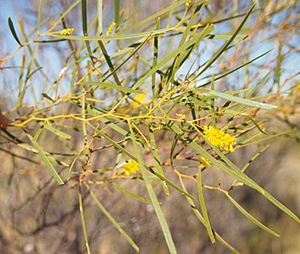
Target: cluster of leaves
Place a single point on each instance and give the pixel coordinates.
(132, 92)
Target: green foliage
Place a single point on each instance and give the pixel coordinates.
(135, 84)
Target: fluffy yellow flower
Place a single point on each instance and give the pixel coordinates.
(131, 167)
(66, 31)
(219, 139)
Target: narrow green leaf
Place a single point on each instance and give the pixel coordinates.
(117, 14)
(258, 85)
(157, 159)
(83, 224)
(109, 62)
(47, 97)
(100, 16)
(84, 26)
(13, 31)
(227, 36)
(84, 16)
(281, 206)
(21, 84)
(113, 221)
(114, 126)
(29, 75)
(45, 159)
(222, 75)
(278, 70)
(253, 158)
(131, 194)
(28, 147)
(171, 12)
(203, 207)
(58, 132)
(112, 86)
(250, 217)
(49, 41)
(247, 102)
(155, 58)
(40, 13)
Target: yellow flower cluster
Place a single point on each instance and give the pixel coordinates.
(66, 31)
(219, 139)
(187, 3)
(138, 100)
(131, 167)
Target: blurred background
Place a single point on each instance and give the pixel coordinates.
(38, 216)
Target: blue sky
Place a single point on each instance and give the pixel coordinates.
(9, 78)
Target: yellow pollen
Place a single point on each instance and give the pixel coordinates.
(219, 139)
(187, 3)
(138, 100)
(131, 167)
(66, 31)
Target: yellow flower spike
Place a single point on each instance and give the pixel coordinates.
(219, 139)
(138, 100)
(66, 31)
(131, 167)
